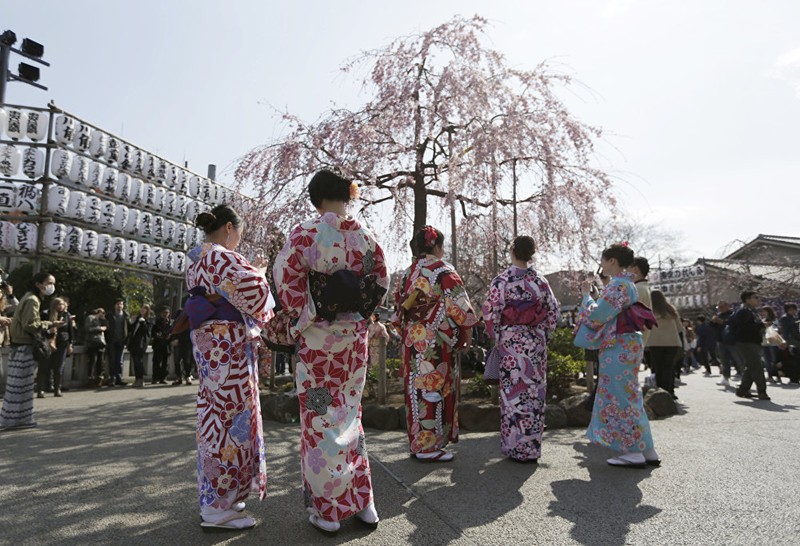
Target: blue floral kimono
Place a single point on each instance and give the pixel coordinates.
(618, 418)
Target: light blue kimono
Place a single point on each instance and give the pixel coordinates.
(618, 418)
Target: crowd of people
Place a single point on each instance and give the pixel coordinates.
(328, 280)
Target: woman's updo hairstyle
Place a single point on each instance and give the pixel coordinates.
(217, 217)
(621, 252)
(524, 248)
(330, 186)
(427, 239)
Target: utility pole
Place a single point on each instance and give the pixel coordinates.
(25, 73)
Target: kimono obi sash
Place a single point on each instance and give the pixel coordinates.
(636, 318)
(523, 312)
(201, 308)
(344, 292)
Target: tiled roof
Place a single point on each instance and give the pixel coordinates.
(779, 273)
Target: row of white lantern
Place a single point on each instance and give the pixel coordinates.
(18, 124)
(90, 208)
(30, 159)
(80, 243)
(110, 150)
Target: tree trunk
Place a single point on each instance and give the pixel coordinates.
(420, 208)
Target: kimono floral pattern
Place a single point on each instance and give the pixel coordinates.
(618, 418)
(434, 313)
(332, 363)
(230, 444)
(523, 353)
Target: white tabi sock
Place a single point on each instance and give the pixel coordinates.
(212, 515)
(369, 514)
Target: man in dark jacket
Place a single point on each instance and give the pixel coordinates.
(790, 331)
(706, 343)
(726, 347)
(161, 336)
(747, 329)
(116, 336)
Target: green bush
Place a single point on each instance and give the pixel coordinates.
(562, 370)
(561, 343)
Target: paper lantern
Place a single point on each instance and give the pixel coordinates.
(148, 166)
(120, 218)
(74, 241)
(104, 247)
(143, 258)
(206, 192)
(224, 195)
(57, 200)
(181, 231)
(61, 163)
(98, 145)
(192, 210)
(149, 195)
(28, 198)
(125, 156)
(65, 130)
(182, 186)
(37, 125)
(8, 236)
(123, 189)
(109, 183)
(95, 179)
(172, 177)
(179, 264)
(157, 257)
(33, 163)
(92, 211)
(90, 241)
(16, 123)
(169, 231)
(83, 137)
(170, 199)
(26, 237)
(8, 196)
(180, 206)
(131, 252)
(145, 224)
(195, 186)
(9, 160)
(112, 149)
(169, 260)
(137, 191)
(137, 161)
(158, 202)
(55, 236)
(158, 228)
(132, 225)
(117, 249)
(162, 171)
(77, 204)
(79, 172)
(108, 210)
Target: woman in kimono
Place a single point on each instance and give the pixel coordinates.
(436, 319)
(520, 314)
(330, 277)
(229, 301)
(618, 417)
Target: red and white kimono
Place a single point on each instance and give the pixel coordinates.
(332, 362)
(230, 441)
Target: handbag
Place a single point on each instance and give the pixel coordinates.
(491, 372)
(40, 346)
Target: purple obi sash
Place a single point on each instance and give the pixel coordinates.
(200, 308)
(529, 313)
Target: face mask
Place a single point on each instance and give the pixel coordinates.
(49, 289)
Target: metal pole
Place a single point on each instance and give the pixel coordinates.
(5, 53)
(454, 251)
(45, 180)
(514, 204)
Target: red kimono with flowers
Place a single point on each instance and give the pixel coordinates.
(434, 312)
(230, 441)
(332, 363)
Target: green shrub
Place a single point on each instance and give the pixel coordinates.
(561, 343)
(562, 370)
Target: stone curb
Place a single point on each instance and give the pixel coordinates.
(570, 412)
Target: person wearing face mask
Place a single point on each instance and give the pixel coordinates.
(17, 411)
(229, 303)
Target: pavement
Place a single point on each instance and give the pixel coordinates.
(117, 466)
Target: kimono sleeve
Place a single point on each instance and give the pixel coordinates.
(244, 286)
(553, 307)
(596, 320)
(291, 274)
(493, 307)
(457, 304)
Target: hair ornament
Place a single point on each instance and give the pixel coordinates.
(430, 236)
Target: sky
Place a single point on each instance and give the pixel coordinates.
(699, 100)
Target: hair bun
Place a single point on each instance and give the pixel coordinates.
(205, 220)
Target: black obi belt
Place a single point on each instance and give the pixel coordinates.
(344, 292)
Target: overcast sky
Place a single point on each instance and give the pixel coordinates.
(699, 100)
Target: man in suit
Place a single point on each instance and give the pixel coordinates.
(116, 336)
